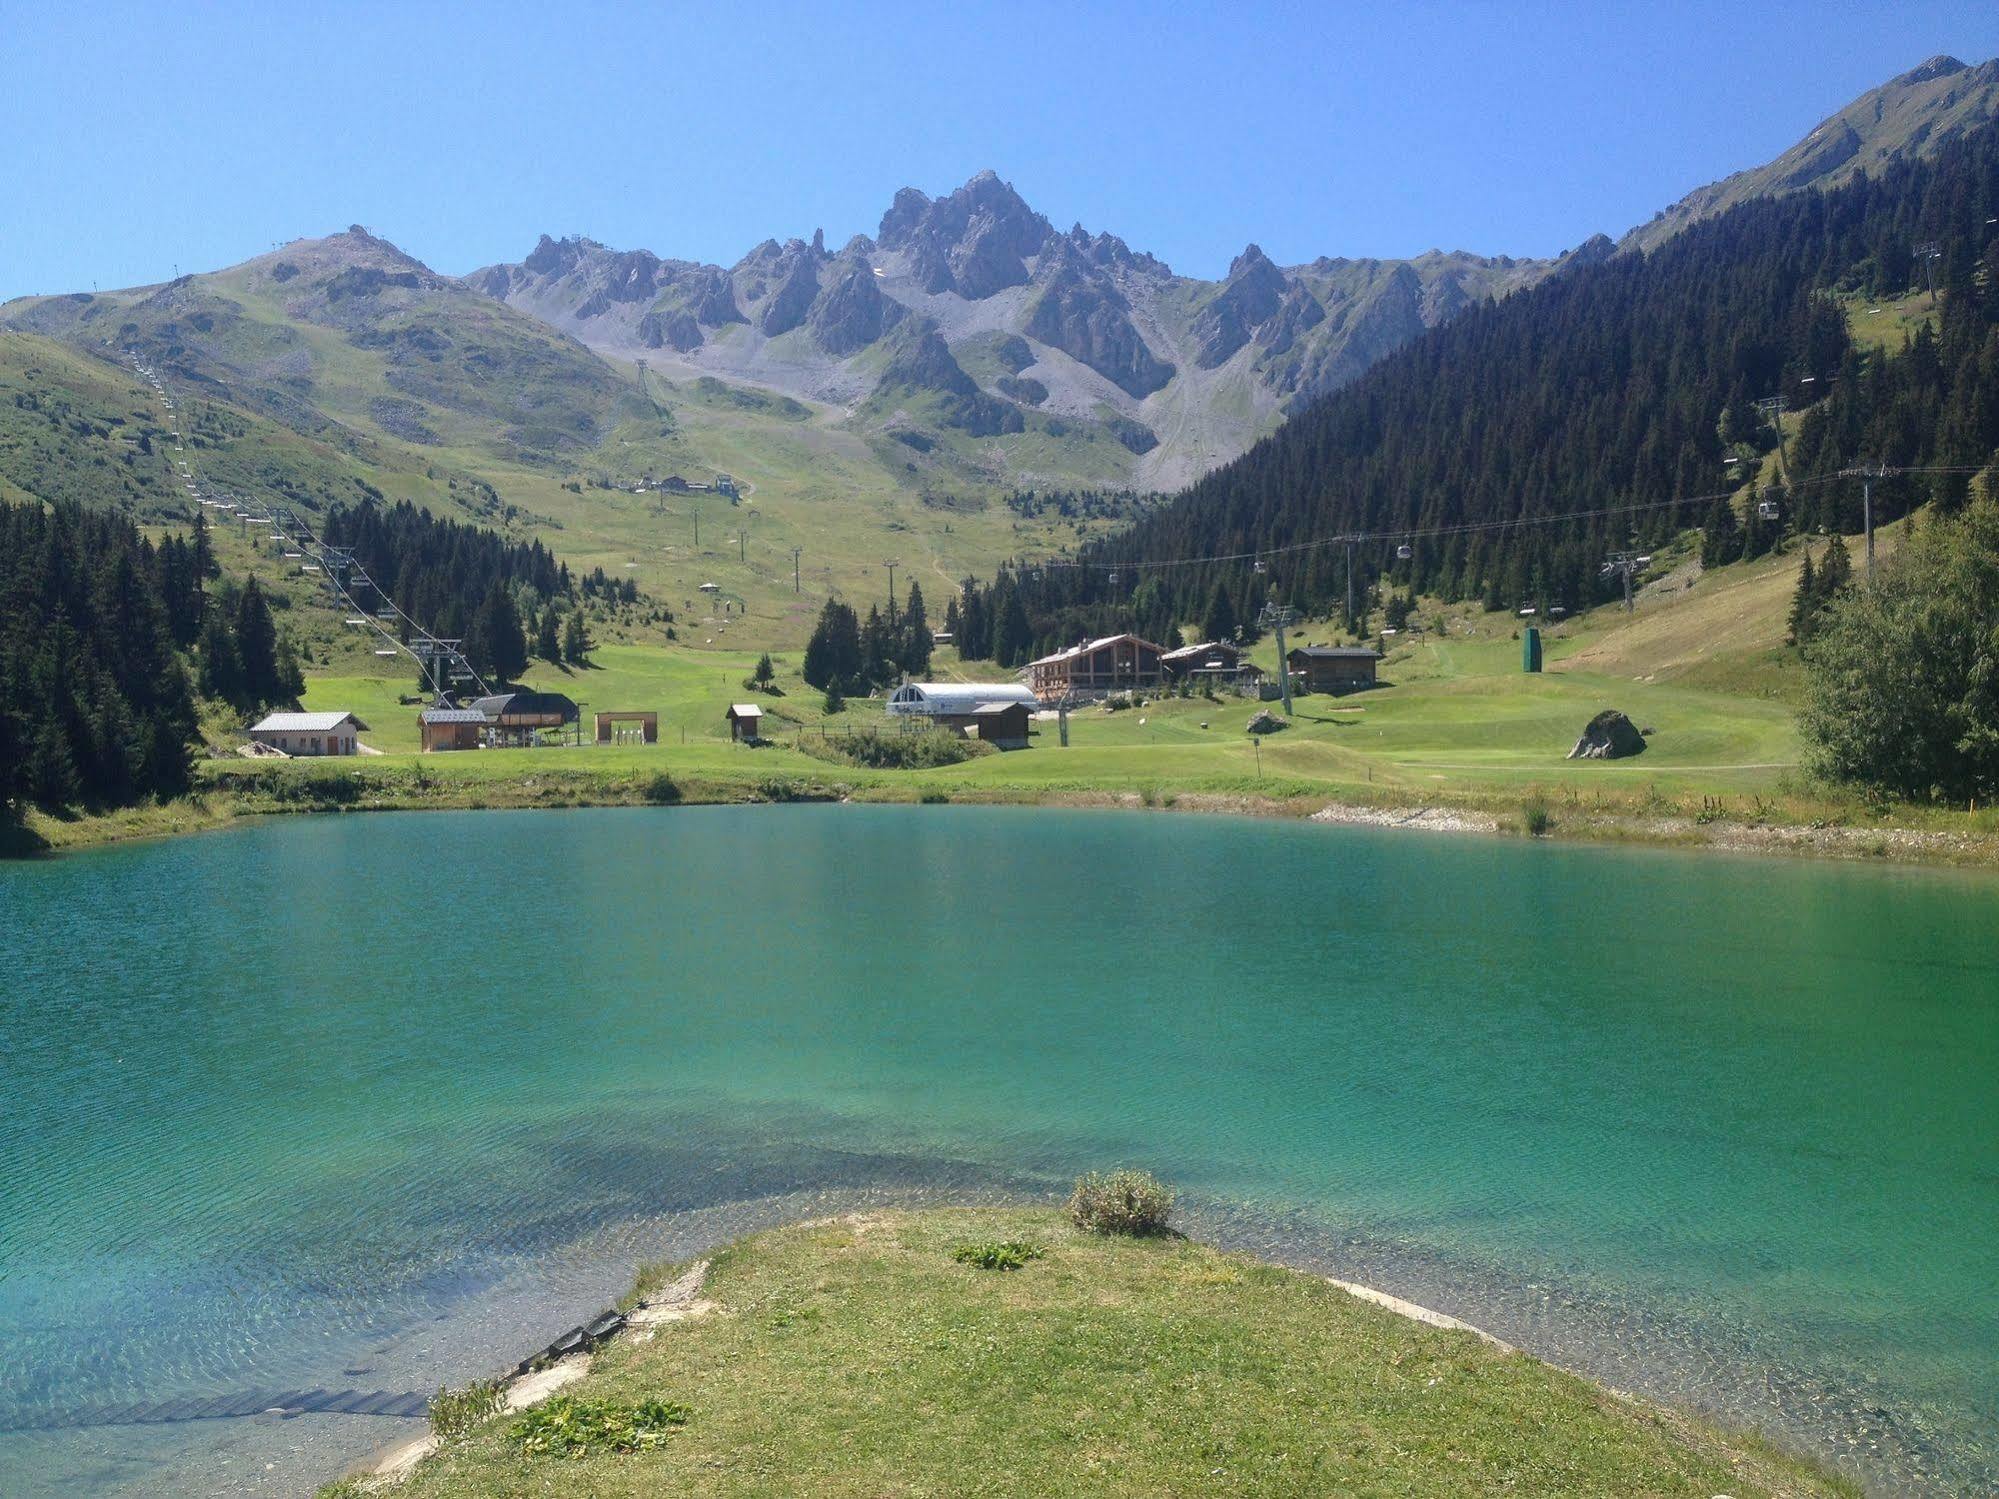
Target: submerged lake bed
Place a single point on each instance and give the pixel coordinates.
(394, 1093)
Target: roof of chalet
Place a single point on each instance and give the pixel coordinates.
(525, 705)
(1337, 652)
(452, 715)
(1187, 651)
(303, 723)
(1093, 645)
(744, 710)
(987, 709)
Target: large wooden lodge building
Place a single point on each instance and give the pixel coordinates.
(1108, 664)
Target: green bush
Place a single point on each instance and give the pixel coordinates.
(896, 751)
(568, 1427)
(455, 1412)
(997, 1254)
(1536, 818)
(1136, 1203)
(661, 791)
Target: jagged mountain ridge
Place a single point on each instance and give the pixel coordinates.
(1062, 330)
(1077, 330)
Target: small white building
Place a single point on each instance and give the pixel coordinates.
(955, 699)
(308, 733)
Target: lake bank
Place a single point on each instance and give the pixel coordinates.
(1795, 827)
(859, 1353)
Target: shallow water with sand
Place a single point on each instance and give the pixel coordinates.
(386, 1101)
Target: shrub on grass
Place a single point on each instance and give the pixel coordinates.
(1536, 818)
(997, 1254)
(453, 1413)
(568, 1427)
(1135, 1203)
(661, 791)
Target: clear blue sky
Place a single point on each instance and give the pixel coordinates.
(142, 137)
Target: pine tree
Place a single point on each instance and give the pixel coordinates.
(496, 643)
(916, 642)
(576, 642)
(547, 636)
(833, 654)
(257, 650)
(1219, 623)
(1803, 601)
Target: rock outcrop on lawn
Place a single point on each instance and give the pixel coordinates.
(1609, 736)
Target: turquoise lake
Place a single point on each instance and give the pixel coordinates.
(388, 1100)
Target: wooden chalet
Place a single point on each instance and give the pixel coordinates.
(746, 722)
(1333, 668)
(1098, 666)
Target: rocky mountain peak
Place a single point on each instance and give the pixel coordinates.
(1940, 66)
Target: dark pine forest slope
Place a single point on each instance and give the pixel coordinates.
(1626, 383)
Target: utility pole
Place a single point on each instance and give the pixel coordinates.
(742, 545)
(794, 567)
(1771, 409)
(891, 566)
(694, 509)
(1276, 617)
(1867, 474)
(1350, 545)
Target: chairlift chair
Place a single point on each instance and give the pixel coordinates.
(1260, 566)
(1404, 552)
(1767, 510)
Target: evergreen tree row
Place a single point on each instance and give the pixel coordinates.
(97, 705)
(464, 582)
(846, 655)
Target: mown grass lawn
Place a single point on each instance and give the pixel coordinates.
(858, 1357)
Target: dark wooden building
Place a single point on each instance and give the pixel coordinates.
(746, 722)
(1003, 724)
(1333, 668)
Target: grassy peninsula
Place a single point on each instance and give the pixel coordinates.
(864, 1356)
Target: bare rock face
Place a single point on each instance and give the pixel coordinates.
(851, 313)
(1253, 294)
(1088, 319)
(796, 278)
(674, 329)
(1609, 736)
(974, 241)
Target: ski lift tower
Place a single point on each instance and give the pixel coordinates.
(1278, 617)
(1624, 564)
(1929, 252)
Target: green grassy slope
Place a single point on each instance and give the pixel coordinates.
(857, 1357)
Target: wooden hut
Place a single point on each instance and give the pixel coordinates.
(746, 721)
(451, 729)
(1003, 724)
(1333, 668)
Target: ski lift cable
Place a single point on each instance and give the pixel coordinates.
(1463, 528)
(320, 554)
